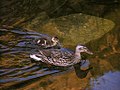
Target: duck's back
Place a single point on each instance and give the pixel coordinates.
(58, 57)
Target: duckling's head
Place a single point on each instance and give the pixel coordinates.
(55, 40)
(82, 48)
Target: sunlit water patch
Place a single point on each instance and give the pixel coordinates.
(108, 81)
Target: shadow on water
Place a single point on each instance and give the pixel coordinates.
(17, 70)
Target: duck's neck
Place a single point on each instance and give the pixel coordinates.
(77, 56)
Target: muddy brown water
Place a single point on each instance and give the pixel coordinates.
(18, 71)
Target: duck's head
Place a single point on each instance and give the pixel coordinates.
(55, 40)
(82, 48)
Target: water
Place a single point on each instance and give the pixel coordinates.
(16, 49)
(108, 81)
(18, 71)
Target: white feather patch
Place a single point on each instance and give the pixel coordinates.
(35, 58)
(38, 41)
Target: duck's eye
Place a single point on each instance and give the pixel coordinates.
(80, 48)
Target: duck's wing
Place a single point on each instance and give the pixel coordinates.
(56, 57)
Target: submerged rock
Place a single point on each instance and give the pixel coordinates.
(77, 28)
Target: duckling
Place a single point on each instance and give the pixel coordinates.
(48, 42)
(60, 57)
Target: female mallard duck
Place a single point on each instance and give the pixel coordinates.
(60, 57)
(51, 42)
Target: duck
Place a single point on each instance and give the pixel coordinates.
(47, 43)
(60, 57)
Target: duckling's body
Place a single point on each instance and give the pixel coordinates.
(45, 42)
(59, 57)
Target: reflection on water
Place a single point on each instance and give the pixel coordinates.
(109, 81)
(18, 71)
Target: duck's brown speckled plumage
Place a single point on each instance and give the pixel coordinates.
(59, 57)
(56, 57)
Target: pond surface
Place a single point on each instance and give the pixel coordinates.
(18, 71)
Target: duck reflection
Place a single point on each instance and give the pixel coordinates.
(79, 72)
(82, 68)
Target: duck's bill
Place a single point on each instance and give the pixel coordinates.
(89, 52)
